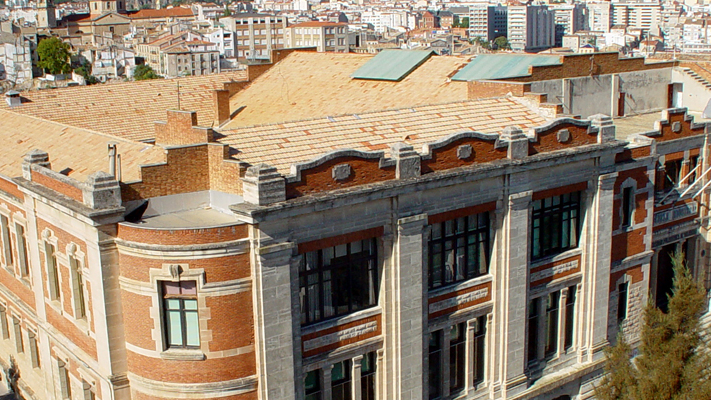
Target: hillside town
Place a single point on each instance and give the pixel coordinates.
(354, 200)
(199, 38)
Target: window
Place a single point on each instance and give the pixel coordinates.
(182, 328)
(88, 391)
(34, 349)
(671, 172)
(435, 364)
(64, 384)
(552, 324)
(22, 250)
(341, 381)
(312, 385)
(533, 330)
(627, 206)
(479, 358)
(693, 163)
(19, 345)
(77, 288)
(570, 316)
(3, 323)
(52, 272)
(622, 289)
(556, 225)
(458, 250)
(6, 241)
(338, 280)
(457, 350)
(367, 377)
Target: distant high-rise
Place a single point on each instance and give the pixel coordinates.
(530, 28)
(487, 21)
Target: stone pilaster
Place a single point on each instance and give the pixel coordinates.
(606, 126)
(518, 142)
(513, 274)
(406, 317)
(407, 161)
(596, 274)
(274, 343)
(263, 185)
(356, 366)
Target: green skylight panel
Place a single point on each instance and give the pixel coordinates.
(392, 65)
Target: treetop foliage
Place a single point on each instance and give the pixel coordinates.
(54, 56)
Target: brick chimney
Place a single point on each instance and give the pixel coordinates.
(181, 129)
(222, 106)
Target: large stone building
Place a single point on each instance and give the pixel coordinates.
(326, 228)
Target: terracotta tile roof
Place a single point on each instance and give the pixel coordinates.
(162, 13)
(284, 144)
(82, 150)
(127, 109)
(307, 85)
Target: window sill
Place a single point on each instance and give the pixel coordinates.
(331, 323)
(460, 285)
(558, 257)
(183, 355)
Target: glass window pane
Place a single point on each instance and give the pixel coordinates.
(436, 231)
(190, 304)
(192, 329)
(173, 304)
(175, 329)
(341, 250)
(188, 287)
(171, 287)
(356, 247)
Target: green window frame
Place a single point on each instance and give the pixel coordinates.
(181, 318)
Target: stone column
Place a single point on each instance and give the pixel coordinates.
(356, 365)
(561, 320)
(596, 268)
(407, 319)
(513, 275)
(273, 320)
(326, 390)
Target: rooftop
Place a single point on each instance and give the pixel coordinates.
(80, 152)
(282, 145)
(203, 218)
(503, 66)
(128, 109)
(308, 85)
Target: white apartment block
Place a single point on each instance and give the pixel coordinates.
(569, 18)
(530, 28)
(647, 16)
(599, 16)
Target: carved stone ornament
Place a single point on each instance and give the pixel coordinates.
(563, 135)
(341, 172)
(676, 127)
(464, 151)
(175, 271)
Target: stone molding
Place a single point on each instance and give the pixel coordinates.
(192, 390)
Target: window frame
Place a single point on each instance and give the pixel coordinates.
(478, 363)
(52, 265)
(22, 253)
(467, 234)
(458, 359)
(315, 392)
(320, 277)
(570, 203)
(78, 286)
(8, 256)
(368, 377)
(182, 311)
(622, 301)
(628, 206)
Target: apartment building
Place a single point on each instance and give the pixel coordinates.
(599, 16)
(325, 36)
(643, 15)
(569, 19)
(487, 21)
(197, 57)
(255, 35)
(530, 28)
(357, 252)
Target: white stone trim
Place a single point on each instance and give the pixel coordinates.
(338, 336)
(161, 252)
(458, 300)
(192, 390)
(222, 288)
(363, 314)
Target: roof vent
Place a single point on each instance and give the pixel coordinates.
(13, 98)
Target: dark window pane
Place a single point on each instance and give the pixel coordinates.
(570, 316)
(435, 365)
(554, 225)
(457, 352)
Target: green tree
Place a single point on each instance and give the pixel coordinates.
(54, 56)
(673, 361)
(85, 71)
(464, 23)
(144, 72)
(502, 43)
(227, 12)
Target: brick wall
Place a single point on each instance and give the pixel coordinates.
(548, 140)
(231, 323)
(208, 370)
(555, 276)
(10, 188)
(217, 269)
(686, 130)
(627, 244)
(463, 305)
(587, 64)
(181, 236)
(58, 186)
(446, 157)
(487, 89)
(181, 129)
(319, 178)
(377, 319)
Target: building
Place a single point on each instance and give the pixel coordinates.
(487, 21)
(255, 35)
(644, 15)
(568, 20)
(530, 28)
(325, 36)
(325, 228)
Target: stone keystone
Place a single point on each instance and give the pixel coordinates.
(407, 161)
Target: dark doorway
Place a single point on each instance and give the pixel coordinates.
(621, 105)
(665, 275)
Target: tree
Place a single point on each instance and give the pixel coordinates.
(502, 43)
(674, 361)
(227, 12)
(54, 56)
(144, 72)
(85, 71)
